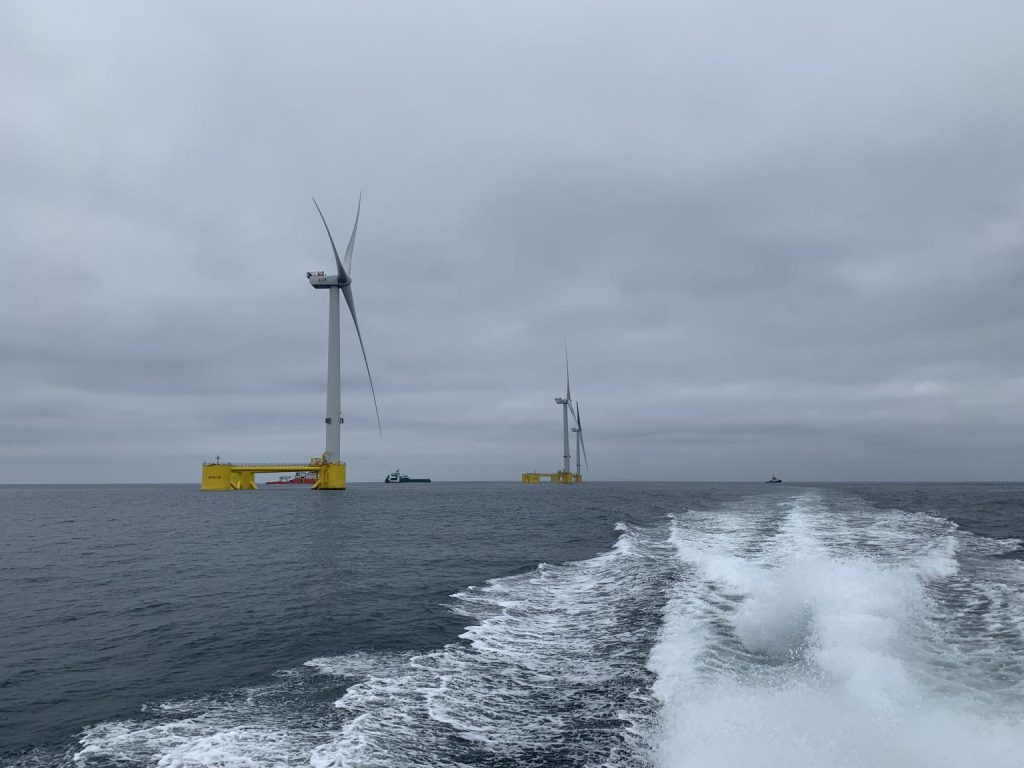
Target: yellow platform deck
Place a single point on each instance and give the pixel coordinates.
(219, 476)
(559, 478)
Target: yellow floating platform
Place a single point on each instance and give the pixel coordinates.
(559, 478)
(242, 477)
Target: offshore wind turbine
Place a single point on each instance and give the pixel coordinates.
(565, 475)
(329, 468)
(339, 285)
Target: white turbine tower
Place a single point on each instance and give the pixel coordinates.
(564, 402)
(341, 282)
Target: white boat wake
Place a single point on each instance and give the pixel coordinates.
(811, 631)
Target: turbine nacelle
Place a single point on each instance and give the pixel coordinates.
(561, 401)
(323, 280)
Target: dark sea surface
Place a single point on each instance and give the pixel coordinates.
(497, 624)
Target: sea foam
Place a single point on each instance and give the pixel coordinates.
(812, 642)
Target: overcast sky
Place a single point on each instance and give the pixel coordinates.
(777, 236)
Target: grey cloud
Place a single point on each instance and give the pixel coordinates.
(781, 239)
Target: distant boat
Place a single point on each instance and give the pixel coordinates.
(299, 478)
(397, 477)
(773, 480)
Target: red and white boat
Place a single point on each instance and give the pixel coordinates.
(299, 478)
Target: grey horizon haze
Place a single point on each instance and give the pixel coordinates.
(778, 238)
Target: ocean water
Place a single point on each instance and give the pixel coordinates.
(495, 624)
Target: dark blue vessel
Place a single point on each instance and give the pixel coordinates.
(396, 477)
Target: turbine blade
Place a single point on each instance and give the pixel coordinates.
(583, 445)
(567, 397)
(347, 291)
(352, 239)
(341, 270)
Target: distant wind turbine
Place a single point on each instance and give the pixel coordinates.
(565, 476)
(329, 469)
(341, 282)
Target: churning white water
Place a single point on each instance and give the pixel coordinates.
(808, 631)
(815, 636)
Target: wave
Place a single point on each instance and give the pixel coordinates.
(810, 631)
(551, 671)
(278, 723)
(823, 635)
